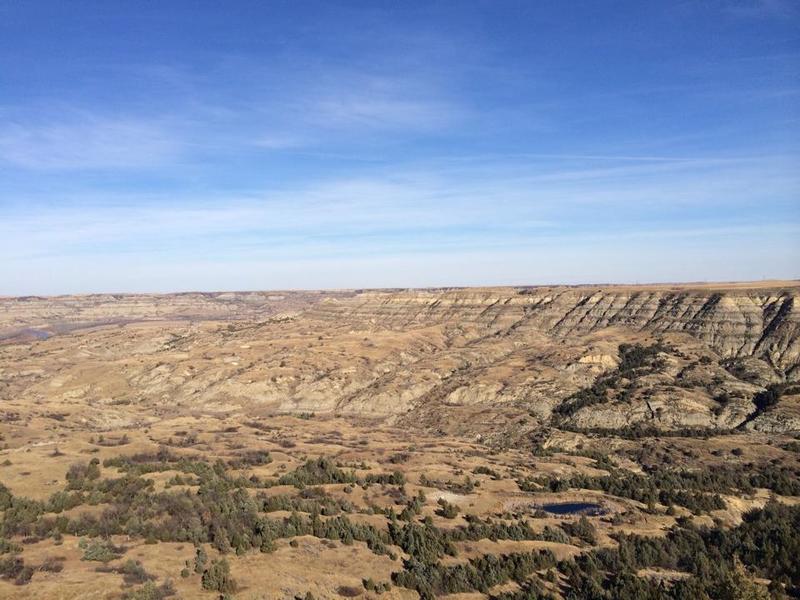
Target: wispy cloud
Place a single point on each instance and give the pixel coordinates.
(406, 100)
(279, 141)
(407, 206)
(306, 112)
(379, 112)
(763, 8)
(86, 141)
(368, 137)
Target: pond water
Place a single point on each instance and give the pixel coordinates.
(574, 508)
(36, 334)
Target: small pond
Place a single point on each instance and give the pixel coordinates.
(36, 334)
(574, 508)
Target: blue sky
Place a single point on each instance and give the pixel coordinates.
(270, 145)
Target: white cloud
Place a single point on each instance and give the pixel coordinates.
(383, 112)
(573, 260)
(327, 104)
(762, 9)
(476, 206)
(280, 141)
(86, 142)
(501, 222)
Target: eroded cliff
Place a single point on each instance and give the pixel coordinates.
(735, 322)
(492, 362)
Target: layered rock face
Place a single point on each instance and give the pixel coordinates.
(492, 362)
(735, 322)
(37, 317)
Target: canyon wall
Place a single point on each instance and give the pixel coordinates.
(502, 361)
(763, 322)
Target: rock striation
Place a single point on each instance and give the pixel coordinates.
(502, 362)
(736, 322)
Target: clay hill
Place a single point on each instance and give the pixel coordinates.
(475, 361)
(541, 443)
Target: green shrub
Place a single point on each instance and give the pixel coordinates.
(151, 591)
(447, 510)
(99, 550)
(581, 529)
(218, 578)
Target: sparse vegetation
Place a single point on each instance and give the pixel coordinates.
(635, 361)
(422, 502)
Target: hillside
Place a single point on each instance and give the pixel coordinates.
(486, 443)
(480, 356)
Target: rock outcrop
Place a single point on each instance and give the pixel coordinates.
(492, 362)
(736, 322)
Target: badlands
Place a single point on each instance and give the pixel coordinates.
(584, 442)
